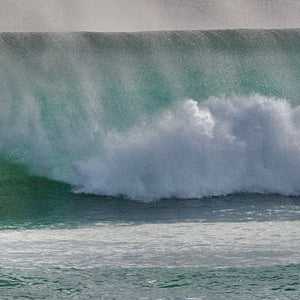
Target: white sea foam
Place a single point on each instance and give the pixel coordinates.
(216, 147)
(163, 245)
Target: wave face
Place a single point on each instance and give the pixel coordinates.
(152, 115)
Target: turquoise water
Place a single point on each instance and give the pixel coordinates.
(155, 283)
(74, 246)
(155, 165)
(125, 113)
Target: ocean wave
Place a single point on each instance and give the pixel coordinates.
(102, 112)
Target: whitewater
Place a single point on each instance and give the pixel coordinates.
(150, 165)
(154, 115)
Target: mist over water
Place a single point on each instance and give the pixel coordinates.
(142, 15)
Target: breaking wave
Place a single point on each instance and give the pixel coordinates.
(151, 115)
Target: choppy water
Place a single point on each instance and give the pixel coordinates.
(241, 247)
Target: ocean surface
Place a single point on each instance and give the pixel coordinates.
(151, 165)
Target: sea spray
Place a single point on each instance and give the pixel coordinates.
(193, 150)
(152, 115)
